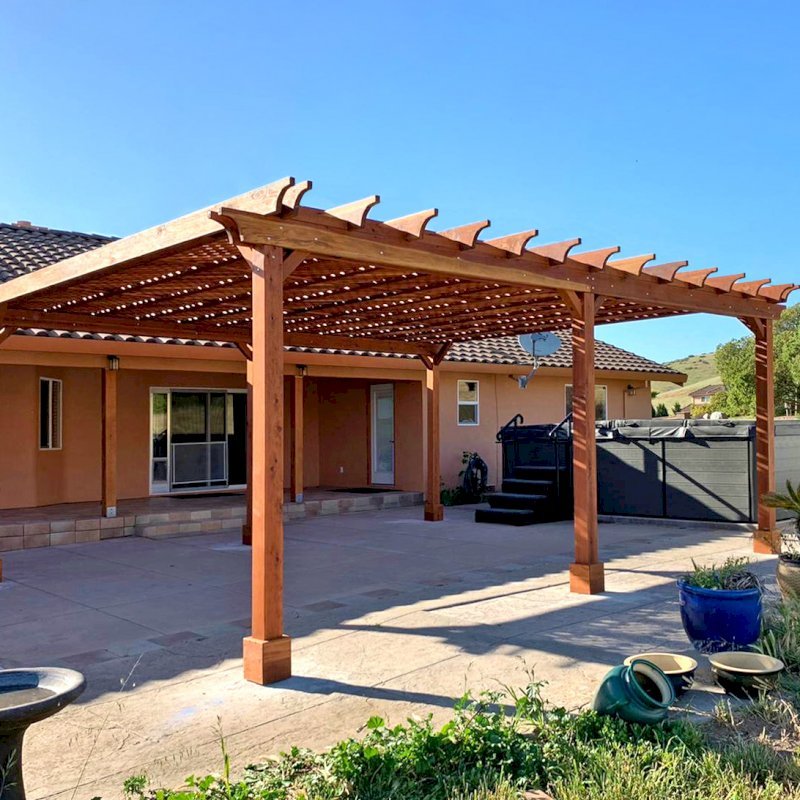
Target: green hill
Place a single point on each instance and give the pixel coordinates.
(701, 369)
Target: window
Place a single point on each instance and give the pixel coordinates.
(600, 401)
(468, 403)
(49, 414)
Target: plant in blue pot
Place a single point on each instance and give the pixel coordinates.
(721, 606)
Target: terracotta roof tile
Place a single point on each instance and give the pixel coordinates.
(25, 248)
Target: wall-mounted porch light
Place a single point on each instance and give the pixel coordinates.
(113, 363)
(630, 390)
(302, 370)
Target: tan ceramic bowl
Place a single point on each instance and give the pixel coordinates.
(744, 674)
(679, 669)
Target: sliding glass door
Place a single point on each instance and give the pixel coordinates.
(198, 439)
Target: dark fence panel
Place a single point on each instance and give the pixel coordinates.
(708, 479)
(693, 469)
(629, 477)
(787, 457)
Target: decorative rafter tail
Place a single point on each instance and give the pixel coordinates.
(724, 282)
(751, 288)
(777, 292)
(595, 258)
(355, 213)
(665, 272)
(228, 223)
(413, 224)
(515, 243)
(466, 235)
(294, 194)
(557, 251)
(632, 265)
(697, 277)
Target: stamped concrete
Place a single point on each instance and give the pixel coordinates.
(389, 615)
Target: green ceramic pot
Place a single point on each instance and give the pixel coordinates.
(638, 692)
(744, 674)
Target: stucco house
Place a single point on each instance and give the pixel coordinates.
(703, 395)
(182, 405)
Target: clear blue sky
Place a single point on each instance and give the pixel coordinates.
(662, 127)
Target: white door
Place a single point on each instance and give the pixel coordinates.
(382, 405)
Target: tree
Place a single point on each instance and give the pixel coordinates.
(660, 411)
(676, 409)
(736, 365)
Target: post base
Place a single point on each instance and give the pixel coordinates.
(434, 513)
(767, 542)
(247, 534)
(267, 661)
(587, 578)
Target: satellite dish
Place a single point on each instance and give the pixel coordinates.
(538, 345)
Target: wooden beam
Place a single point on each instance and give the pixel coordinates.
(767, 538)
(434, 511)
(109, 441)
(267, 652)
(147, 245)
(298, 442)
(292, 261)
(364, 344)
(441, 353)
(514, 244)
(466, 235)
(314, 232)
(557, 251)
(355, 213)
(586, 573)
(7, 331)
(377, 244)
(246, 350)
(413, 224)
(247, 526)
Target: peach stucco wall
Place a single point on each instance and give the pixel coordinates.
(500, 398)
(337, 426)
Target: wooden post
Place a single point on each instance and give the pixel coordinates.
(297, 438)
(434, 512)
(586, 574)
(767, 537)
(247, 527)
(267, 652)
(109, 434)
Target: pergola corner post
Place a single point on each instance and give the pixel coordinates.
(298, 438)
(766, 538)
(434, 510)
(586, 574)
(267, 651)
(108, 459)
(247, 527)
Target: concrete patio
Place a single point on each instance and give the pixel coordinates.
(390, 615)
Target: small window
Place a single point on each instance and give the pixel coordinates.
(600, 401)
(49, 414)
(468, 403)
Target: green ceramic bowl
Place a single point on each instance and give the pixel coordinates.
(745, 674)
(679, 669)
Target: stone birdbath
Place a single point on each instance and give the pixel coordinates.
(28, 696)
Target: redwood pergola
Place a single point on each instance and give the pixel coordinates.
(263, 270)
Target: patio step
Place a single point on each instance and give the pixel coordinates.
(525, 486)
(507, 516)
(507, 500)
(540, 473)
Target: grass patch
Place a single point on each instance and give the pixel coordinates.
(500, 745)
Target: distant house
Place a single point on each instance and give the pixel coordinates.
(702, 396)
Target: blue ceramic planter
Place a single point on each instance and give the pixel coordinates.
(720, 619)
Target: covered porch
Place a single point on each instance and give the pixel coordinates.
(263, 271)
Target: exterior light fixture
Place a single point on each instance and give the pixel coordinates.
(302, 370)
(113, 363)
(631, 390)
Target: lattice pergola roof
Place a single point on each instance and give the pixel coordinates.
(354, 282)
